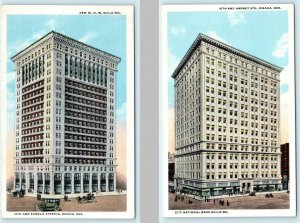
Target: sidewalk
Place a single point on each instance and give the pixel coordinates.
(97, 194)
(235, 195)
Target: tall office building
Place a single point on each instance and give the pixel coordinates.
(65, 117)
(226, 121)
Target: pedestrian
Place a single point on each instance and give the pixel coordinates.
(227, 203)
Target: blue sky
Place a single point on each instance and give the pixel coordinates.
(105, 32)
(260, 33)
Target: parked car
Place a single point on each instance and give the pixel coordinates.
(252, 194)
(171, 190)
(48, 204)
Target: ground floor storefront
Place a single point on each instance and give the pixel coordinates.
(241, 186)
(64, 183)
(280, 200)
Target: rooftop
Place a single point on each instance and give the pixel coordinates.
(201, 37)
(57, 33)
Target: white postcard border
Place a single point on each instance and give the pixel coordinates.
(164, 133)
(127, 10)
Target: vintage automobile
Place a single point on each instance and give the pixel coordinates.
(48, 204)
(18, 193)
(89, 198)
(252, 194)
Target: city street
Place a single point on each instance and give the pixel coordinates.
(279, 201)
(102, 203)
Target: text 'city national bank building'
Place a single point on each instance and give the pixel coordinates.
(226, 121)
(65, 117)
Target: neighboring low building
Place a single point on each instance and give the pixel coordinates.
(285, 167)
(171, 166)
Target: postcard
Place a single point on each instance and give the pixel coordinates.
(68, 85)
(228, 110)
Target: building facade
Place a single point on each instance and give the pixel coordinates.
(285, 165)
(226, 121)
(171, 167)
(65, 117)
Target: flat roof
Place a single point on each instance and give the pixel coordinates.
(57, 33)
(201, 37)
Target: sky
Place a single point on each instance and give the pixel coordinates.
(262, 34)
(105, 32)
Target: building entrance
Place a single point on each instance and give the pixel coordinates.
(246, 186)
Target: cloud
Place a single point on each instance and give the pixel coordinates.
(173, 62)
(10, 150)
(281, 46)
(10, 100)
(235, 18)
(214, 35)
(21, 45)
(171, 117)
(38, 35)
(285, 76)
(121, 148)
(10, 77)
(51, 24)
(121, 113)
(18, 46)
(285, 81)
(87, 37)
(178, 30)
(284, 118)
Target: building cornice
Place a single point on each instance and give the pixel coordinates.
(80, 45)
(70, 42)
(35, 44)
(203, 38)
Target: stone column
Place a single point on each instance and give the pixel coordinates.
(81, 182)
(99, 187)
(44, 178)
(52, 183)
(106, 185)
(269, 166)
(72, 183)
(228, 166)
(35, 183)
(90, 183)
(217, 165)
(259, 166)
(63, 183)
(250, 167)
(278, 166)
(241, 186)
(239, 166)
(27, 178)
(14, 181)
(115, 182)
(203, 168)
